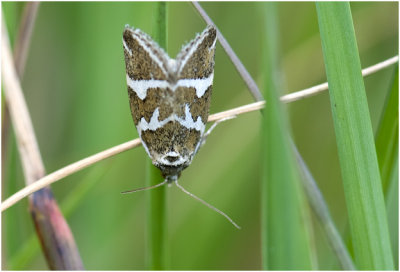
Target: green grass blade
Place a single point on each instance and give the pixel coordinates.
(157, 198)
(161, 25)
(284, 236)
(354, 136)
(387, 150)
(156, 220)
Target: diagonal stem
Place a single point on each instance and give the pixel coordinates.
(251, 84)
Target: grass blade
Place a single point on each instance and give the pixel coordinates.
(284, 236)
(355, 141)
(157, 198)
(156, 220)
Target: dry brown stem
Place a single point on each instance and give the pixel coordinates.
(26, 141)
(56, 238)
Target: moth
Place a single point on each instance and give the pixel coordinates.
(170, 99)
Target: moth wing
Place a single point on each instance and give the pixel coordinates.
(196, 59)
(144, 58)
(145, 63)
(195, 71)
(146, 74)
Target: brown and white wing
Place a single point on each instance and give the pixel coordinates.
(195, 76)
(146, 70)
(196, 59)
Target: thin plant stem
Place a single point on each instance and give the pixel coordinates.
(298, 95)
(88, 161)
(251, 84)
(67, 171)
(157, 224)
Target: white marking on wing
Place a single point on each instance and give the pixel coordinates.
(213, 45)
(139, 37)
(154, 124)
(200, 84)
(146, 148)
(190, 53)
(140, 87)
(187, 122)
(126, 47)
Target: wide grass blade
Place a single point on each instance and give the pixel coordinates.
(285, 240)
(354, 136)
(157, 198)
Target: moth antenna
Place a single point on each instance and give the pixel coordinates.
(145, 188)
(207, 204)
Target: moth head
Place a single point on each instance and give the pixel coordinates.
(171, 172)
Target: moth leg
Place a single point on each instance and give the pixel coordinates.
(208, 132)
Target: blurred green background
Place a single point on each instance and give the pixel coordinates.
(75, 88)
